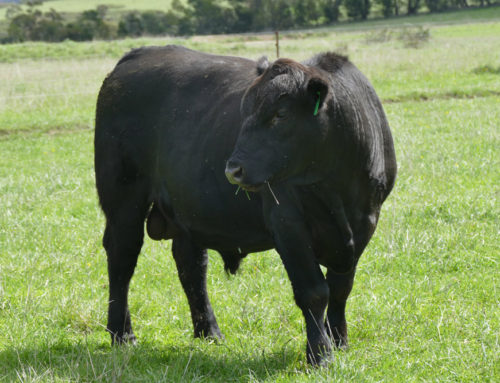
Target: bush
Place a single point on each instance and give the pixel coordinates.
(36, 26)
(388, 7)
(414, 37)
(154, 23)
(358, 9)
(437, 5)
(131, 25)
(210, 16)
(380, 36)
(331, 10)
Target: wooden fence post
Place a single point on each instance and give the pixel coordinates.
(277, 34)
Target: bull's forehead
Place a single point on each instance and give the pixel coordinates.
(283, 78)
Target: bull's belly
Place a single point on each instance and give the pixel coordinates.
(233, 231)
(215, 216)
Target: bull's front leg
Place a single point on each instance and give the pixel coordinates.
(336, 325)
(293, 243)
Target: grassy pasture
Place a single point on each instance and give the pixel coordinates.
(425, 302)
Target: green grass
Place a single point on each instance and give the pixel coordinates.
(425, 302)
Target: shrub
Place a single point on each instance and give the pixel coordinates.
(358, 9)
(331, 10)
(89, 26)
(380, 36)
(36, 26)
(414, 37)
(437, 5)
(131, 25)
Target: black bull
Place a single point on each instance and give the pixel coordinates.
(309, 142)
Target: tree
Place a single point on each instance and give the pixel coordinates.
(21, 27)
(180, 19)
(211, 16)
(90, 25)
(277, 14)
(437, 5)
(36, 26)
(131, 25)
(413, 6)
(307, 12)
(331, 10)
(244, 15)
(358, 9)
(154, 22)
(388, 7)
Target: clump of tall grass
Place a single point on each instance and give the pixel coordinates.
(411, 37)
(380, 36)
(414, 37)
(485, 69)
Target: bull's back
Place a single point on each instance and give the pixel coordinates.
(158, 98)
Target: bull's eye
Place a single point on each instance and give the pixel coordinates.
(279, 115)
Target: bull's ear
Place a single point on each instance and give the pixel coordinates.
(262, 65)
(317, 90)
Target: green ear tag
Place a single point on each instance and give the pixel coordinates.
(317, 104)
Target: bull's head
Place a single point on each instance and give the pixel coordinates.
(284, 114)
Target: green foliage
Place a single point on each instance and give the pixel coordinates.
(413, 6)
(188, 17)
(36, 26)
(358, 9)
(155, 23)
(90, 25)
(437, 5)
(387, 7)
(33, 25)
(331, 10)
(131, 25)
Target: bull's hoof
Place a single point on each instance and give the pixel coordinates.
(341, 343)
(212, 334)
(338, 335)
(319, 355)
(322, 359)
(126, 338)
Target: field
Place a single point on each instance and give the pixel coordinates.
(425, 303)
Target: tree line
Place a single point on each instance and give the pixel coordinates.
(210, 17)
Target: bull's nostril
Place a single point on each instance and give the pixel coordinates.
(234, 173)
(238, 173)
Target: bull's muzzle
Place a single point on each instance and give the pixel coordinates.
(234, 173)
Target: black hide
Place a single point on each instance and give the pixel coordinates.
(308, 142)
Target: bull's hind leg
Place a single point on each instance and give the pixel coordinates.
(123, 240)
(192, 264)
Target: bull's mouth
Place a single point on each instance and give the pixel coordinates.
(236, 175)
(250, 188)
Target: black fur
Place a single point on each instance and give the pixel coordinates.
(309, 143)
